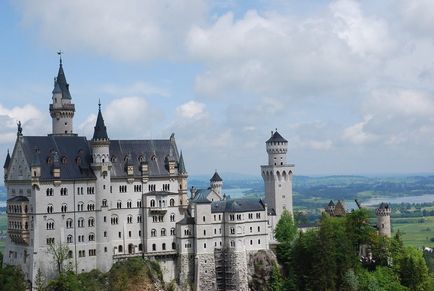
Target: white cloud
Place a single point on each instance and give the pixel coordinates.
(33, 122)
(131, 117)
(192, 110)
(357, 133)
(131, 30)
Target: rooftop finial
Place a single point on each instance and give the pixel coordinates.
(60, 52)
(99, 104)
(20, 128)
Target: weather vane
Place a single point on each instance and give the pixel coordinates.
(60, 52)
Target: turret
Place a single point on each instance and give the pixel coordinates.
(61, 108)
(216, 183)
(100, 146)
(383, 219)
(6, 165)
(182, 179)
(277, 147)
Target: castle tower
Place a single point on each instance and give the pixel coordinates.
(101, 165)
(383, 219)
(61, 108)
(277, 175)
(216, 183)
(182, 179)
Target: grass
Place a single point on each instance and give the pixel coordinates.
(416, 231)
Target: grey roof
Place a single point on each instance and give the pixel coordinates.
(201, 196)
(100, 130)
(36, 161)
(181, 165)
(73, 151)
(216, 178)
(18, 199)
(134, 151)
(7, 161)
(383, 205)
(61, 82)
(186, 220)
(276, 137)
(237, 205)
(331, 203)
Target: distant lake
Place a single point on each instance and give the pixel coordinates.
(235, 192)
(399, 200)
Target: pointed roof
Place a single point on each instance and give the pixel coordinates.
(7, 161)
(181, 165)
(61, 82)
(276, 137)
(340, 209)
(216, 178)
(100, 131)
(383, 205)
(331, 203)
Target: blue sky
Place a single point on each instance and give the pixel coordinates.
(348, 83)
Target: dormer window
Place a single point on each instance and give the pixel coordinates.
(113, 159)
(141, 159)
(64, 160)
(154, 158)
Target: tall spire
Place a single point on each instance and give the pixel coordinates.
(100, 132)
(61, 79)
(181, 165)
(7, 161)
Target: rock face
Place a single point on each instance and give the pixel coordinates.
(260, 267)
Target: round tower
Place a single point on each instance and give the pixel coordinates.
(383, 219)
(61, 109)
(277, 147)
(216, 183)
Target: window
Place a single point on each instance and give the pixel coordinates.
(137, 188)
(153, 232)
(64, 207)
(140, 247)
(232, 243)
(259, 241)
(80, 222)
(129, 204)
(70, 254)
(251, 242)
(80, 206)
(92, 252)
(130, 219)
(203, 218)
(69, 239)
(238, 216)
(163, 246)
(251, 229)
(49, 191)
(105, 233)
(152, 203)
(154, 247)
(232, 217)
(81, 254)
(258, 215)
(204, 232)
(90, 206)
(139, 203)
(172, 231)
(232, 230)
(105, 218)
(172, 217)
(91, 222)
(119, 204)
(250, 215)
(50, 208)
(120, 248)
(69, 223)
(172, 202)
(105, 249)
(259, 228)
(50, 240)
(173, 246)
(139, 218)
(50, 224)
(163, 232)
(63, 191)
(122, 188)
(91, 236)
(114, 219)
(120, 234)
(129, 233)
(204, 245)
(140, 233)
(104, 202)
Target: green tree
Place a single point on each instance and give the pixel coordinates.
(40, 281)
(60, 254)
(413, 270)
(66, 281)
(285, 229)
(276, 283)
(12, 278)
(350, 281)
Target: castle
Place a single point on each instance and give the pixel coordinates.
(108, 200)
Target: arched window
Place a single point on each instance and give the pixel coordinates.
(130, 219)
(163, 247)
(69, 239)
(64, 207)
(50, 224)
(154, 247)
(163, 232)
(173, 246)
(152, 203)
(80, 222)
(50, 208)
(80, 206)
(172, 202)
(172, 231)
(153, 232)
(69, 223)
(120, 249)
(91, 236)
(91, 222)
(114, 219)
(172, 217)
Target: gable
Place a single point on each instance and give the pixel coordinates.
(19, 166)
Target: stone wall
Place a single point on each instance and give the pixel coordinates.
(185, 268)
(205, 277)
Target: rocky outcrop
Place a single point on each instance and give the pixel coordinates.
(260, 267)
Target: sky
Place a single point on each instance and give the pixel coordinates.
(349, 84)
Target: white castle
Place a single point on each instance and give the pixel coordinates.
(108, 200)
